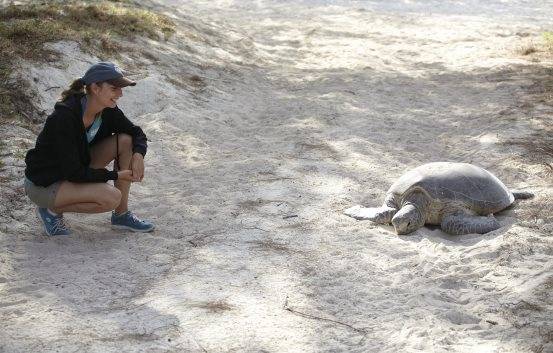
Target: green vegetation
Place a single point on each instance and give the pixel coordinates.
(24, 29)
(548, 38)
(27, 27)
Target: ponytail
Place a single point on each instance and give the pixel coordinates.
(76, 87)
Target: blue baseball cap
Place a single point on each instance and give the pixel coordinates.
(106, 72)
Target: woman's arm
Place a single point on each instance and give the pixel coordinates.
(122, 124)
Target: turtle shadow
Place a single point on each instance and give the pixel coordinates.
(435, 234)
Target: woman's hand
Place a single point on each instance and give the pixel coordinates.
(137, 166)
(125, 175)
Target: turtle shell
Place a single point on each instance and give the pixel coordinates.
(456, 183)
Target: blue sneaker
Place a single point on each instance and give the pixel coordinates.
(130, 222)
(54, 225)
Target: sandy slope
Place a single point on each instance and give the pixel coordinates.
(303, 109)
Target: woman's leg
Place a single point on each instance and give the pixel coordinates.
(104, 152)
(86, 198)
(98, 197)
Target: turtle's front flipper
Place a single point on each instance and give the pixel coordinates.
(457, 224)
(382, 215)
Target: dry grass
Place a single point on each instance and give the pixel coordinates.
(538, 147)
(2, 147)
(24, 29)
(271, 245)
(527, 49)
(40, 23)
(216, 306)
(537, 50)
(539, 208)
(187, 81)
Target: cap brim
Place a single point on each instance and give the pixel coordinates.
(121, 82)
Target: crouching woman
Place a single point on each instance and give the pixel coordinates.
(66, 170)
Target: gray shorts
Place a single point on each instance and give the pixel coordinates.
(42, 196)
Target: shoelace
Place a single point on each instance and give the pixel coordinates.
(59, 224)
(134, 218)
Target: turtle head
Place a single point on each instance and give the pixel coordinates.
(408, 219)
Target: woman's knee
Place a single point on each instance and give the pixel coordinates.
(125, 142)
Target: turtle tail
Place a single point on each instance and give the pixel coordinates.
(522, 195)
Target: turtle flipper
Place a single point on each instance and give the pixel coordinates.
(522, 195)
(457, 224)
(382, 215)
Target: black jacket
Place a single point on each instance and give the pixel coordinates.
(62, 151)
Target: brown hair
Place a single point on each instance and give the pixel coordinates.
(76, 87)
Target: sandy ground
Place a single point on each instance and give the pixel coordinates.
(267, 119)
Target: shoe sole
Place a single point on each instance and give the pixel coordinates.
(114, 226)
(46, 229)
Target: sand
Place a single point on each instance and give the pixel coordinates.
(266, 120)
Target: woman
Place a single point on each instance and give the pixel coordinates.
(66, 169)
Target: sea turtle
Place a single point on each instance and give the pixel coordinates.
(460, 197)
